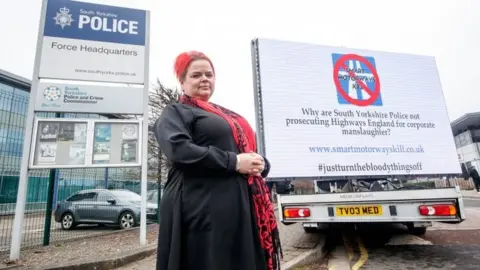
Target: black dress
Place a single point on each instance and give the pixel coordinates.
(206, 217)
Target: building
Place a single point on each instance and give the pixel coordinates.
(466, 131)
(14, 95)
(14, 99)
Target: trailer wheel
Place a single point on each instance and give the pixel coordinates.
(418, 231)
(310, 230)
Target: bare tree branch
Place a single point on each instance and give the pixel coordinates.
(160, 97)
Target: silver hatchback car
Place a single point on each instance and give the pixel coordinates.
(101, 206)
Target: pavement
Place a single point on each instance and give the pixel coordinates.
(145, 264)
(34, 230)
(298, 248)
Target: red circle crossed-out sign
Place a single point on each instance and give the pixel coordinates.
(344, 93)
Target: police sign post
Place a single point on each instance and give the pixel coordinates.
(82, 42)
(93, 42)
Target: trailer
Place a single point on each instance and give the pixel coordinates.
(371, 124)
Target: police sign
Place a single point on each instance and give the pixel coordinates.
(94, 43)
(91, 42)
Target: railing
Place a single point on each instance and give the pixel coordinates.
(7, 209)
(463, 184)
(42, 223)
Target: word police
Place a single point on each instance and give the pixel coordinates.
(105, 24)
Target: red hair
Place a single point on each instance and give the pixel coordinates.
(183, 60)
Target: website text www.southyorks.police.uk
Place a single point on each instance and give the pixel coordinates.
(370, 167)
(400, 148)
(105, 72)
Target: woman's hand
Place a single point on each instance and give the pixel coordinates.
(250, 163)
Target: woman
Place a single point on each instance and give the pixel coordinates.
(215, 210)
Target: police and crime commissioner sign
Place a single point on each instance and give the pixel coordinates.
(91, 42)
(70, 97)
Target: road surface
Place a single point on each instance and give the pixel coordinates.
(444, 246)
(470, 202)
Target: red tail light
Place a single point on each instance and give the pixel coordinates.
(438, 210)
(296, 212)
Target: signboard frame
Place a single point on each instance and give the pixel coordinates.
(90, 137)
(92, 49)
(261, 89)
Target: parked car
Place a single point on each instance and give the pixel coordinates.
(152, 200)
(152, 196)
(101, 206)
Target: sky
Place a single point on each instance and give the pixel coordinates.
(223, 30)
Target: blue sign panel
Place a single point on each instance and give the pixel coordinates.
(351, 75)
(87, 21)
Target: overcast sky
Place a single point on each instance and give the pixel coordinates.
(445, 29)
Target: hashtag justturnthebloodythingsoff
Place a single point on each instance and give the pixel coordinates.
(370, 167)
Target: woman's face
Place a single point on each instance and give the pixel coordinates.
(199, 80)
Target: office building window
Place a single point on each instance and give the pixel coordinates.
(457, 141)
(463, 139)
(6, 97)
(13, 110)
(475, 135)
(20, 102)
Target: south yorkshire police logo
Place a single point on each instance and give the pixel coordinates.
(63, 18)
(52, 93)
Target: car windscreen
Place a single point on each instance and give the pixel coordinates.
(153, 197)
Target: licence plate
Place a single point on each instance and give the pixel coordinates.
(359, 210)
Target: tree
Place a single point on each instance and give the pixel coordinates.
(160, 97)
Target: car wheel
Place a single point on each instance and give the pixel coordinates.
(68, 221)
(126, 220)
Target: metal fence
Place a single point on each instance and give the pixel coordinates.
(43, 220)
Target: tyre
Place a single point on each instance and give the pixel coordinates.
(126, 220)
(418, 231)
(310, 229)
(68, 221)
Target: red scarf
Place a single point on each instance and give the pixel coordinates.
(264, 214)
